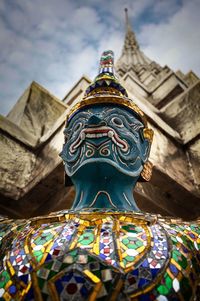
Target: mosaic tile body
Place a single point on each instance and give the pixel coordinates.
(99, 256)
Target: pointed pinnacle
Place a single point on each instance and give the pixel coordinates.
(128, 26)
(130, 39)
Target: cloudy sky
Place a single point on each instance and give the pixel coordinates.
(54, 42)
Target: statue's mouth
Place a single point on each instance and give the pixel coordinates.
(99, 132)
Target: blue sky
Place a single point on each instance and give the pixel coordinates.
(54, 42)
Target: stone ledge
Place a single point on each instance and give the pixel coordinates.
(183, 113)
(17, 132)
(152, 114)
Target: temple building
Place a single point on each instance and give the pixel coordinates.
(32, 173)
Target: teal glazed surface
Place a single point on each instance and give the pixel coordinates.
(104, 154)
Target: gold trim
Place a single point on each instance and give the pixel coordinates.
(107, 99)
(148, 134)
(116, 290)
(97, 241)
(79, 232)
(6, 296)
(97, 286)
(145, 250)
(103, 91)
(36, 289)
(112, 99)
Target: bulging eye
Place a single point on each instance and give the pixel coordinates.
(117, 121)
(77, 126)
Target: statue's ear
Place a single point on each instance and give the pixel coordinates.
(146, 173)
(145, 147)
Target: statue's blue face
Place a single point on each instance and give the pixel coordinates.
(105, 133)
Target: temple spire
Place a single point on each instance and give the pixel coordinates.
(127, 19)
(130, 40)
(132, 56)
(127, 22)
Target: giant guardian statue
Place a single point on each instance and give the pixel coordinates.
(104, 248)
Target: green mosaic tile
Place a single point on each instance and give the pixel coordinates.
(4, 278)
(176, 255)
(86, 239)
(132, 228)
(125, 241)
(195, 228)
(183, 262)
(168, 281)
(38, 255)
(129, 258)
(45, 237)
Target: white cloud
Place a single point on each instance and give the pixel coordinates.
(54, 42)
(176, 42)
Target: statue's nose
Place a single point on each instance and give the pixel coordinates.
(94, 120)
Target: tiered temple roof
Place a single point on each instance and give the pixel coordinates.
(31, 181)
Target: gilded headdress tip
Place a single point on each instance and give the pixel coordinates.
(106, 82)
